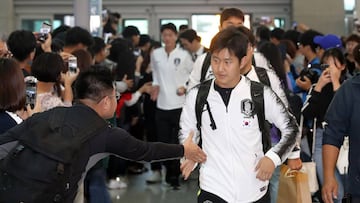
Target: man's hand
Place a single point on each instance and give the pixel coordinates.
(187, 167)
(146, 88)
(294, 164)
(46, 45)
(265, 169)
(181, 91)
(329, 190)
(323, 80)
(129, 82)
(193, 151)
(304, 85)
(155, 92)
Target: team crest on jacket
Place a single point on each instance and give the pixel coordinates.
(177, 61)
(247, 107)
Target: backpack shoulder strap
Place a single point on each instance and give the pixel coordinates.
(262, 75)
(205, 66)
(257, 96)
(201, 97)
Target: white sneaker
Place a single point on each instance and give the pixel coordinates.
(117, 184)
(154, 178)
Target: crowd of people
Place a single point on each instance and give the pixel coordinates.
(227, 110)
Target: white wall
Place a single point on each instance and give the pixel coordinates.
(326, 16)
(7, 17)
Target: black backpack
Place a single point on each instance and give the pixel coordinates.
(295, 102)
(257, 96)
(39, 168)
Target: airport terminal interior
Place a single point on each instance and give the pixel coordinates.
(143, 19)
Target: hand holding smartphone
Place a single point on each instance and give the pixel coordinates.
(44, 31)
(72, 64)
(30, 83)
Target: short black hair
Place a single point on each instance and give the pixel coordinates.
(248, 33)
(130, 31)
(190, 35)
(94, 84)
(21, 43)
(263, 32)
(98, 45)
(356, 53)
(353, 37)
(169, 26)
(47, 67)
(144, 39)
(307, 38)
(78, 35)
(277, 33)
(183, 27)
(231, 39)
(231, 12)
(292, 35)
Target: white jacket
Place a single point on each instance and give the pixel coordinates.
(170, 71)
(235, 147)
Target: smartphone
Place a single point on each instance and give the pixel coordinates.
(72, 64)
(44, 31)
(107, 37)
(30, 82)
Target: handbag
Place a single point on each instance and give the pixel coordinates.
(342, 163)
(293, 186)
(310, 167)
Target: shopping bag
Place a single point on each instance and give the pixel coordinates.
(342, 163)
(293, 186)
(310, 169)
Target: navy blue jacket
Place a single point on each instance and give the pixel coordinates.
(343, 118)
(6, 122)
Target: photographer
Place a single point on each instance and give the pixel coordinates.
(318, 101)
(308, 76)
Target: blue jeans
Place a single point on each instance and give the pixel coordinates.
(319, 165)
(274, 184)
(97, 190)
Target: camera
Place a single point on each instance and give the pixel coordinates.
(44, 31)
(72, 64)
(312, 72)
(30, 90)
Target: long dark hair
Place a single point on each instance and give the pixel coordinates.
(338, 54)
(273, 55)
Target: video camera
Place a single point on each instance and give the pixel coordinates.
(311, 73)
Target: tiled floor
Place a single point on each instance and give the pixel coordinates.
(138, 191)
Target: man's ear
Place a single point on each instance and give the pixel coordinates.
(243, 61)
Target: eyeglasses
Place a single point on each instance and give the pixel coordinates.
(117, 95)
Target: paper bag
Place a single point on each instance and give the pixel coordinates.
(293, 186)
(310, 169)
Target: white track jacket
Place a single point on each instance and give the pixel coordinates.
(235, 147)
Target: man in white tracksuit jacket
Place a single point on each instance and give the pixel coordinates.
(236, 169)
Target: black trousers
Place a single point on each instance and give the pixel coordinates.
(205, 196)
(167, 126)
